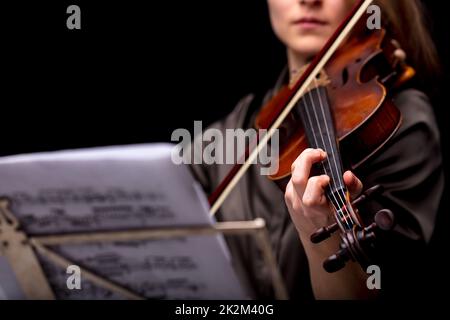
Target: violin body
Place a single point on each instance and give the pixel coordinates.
(365, 118)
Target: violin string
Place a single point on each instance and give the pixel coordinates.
(346, 216)
(323, 166)
(315, 141)
(342, 202)
(339, 178)
(339, 202)
(334, 158)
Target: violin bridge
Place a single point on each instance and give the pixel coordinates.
(321, 80)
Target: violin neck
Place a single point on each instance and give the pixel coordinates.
(317, 120)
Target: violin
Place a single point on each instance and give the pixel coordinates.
(340, 104)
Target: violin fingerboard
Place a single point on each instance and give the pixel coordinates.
(315, 113)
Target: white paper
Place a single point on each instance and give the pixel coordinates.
(120, 188)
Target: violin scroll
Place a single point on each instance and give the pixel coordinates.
(357, 244)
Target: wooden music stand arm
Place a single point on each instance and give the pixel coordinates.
(16, 248)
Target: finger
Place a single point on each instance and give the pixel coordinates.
(292, 201)
(354, 185)
(289, 194)
(301, 168)
(314, 195)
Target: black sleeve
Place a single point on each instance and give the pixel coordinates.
(410, 170)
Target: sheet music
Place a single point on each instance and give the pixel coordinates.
(120, 188)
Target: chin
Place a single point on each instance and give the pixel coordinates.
(308, 49)
(307, 46)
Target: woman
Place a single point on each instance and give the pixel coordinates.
(409, 168)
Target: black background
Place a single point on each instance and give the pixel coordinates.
(137, 70)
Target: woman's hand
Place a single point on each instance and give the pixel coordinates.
(305, 196)
(309, 210)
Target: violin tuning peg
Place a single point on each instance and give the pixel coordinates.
(367, 194)
(359, 200)
(373, 191)
(324, 233)
(385, 220)
(368, 234)
(337, 261)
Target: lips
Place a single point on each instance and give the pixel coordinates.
(310, 21)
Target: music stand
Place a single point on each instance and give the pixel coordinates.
(19, 249)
